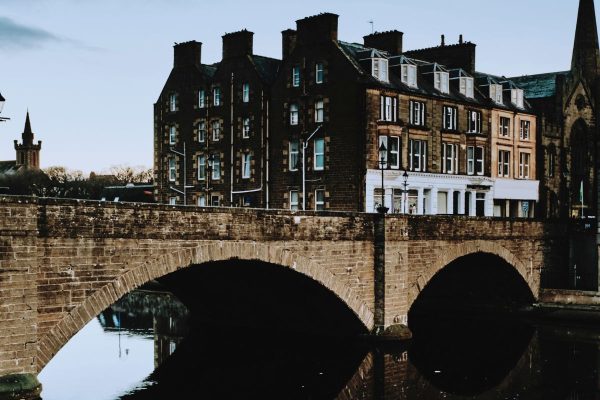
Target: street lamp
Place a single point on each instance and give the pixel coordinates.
(405, 184)
(304, 147)
(185, 185)
(2, 101)
(382, 209)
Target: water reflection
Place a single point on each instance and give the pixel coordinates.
(147, 347)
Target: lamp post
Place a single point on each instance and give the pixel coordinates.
(382, 209)
(405, 185)
(2, 101)
(185, 185)
(304, 147)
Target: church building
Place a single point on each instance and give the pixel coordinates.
(27, 153)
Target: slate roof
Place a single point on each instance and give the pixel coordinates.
(539, 86)
(482, 80)
(356, 52)
(266, 67)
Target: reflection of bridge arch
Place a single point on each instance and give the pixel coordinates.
(453, 253)
(168, 263)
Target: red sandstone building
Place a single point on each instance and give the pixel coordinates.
(305, 131)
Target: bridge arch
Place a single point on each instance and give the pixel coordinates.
(453, 253)
(171, 262)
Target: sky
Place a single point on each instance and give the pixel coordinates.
(89, 71)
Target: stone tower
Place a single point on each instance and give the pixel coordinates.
(28, 153)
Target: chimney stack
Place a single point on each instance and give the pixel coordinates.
(443, 40)
(187, 53)
(318, 29)
(237, 44)
(288, 42)
(390, 41)
(460, 39)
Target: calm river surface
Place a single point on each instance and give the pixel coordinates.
(144, 347)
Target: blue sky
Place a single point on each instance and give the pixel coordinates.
(90, 70)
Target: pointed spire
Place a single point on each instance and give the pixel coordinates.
(586, 53)
(27, 124)
(27, 132)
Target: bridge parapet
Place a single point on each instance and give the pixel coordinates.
(64, 261)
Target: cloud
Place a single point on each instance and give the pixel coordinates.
(14, 35)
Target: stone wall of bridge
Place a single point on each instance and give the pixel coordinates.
(64, 261)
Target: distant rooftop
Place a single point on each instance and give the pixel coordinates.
(539, 86)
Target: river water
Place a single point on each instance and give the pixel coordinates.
(146, 347)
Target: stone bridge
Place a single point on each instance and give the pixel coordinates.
(62, 262)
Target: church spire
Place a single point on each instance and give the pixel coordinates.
(27, 133)
(586, 53)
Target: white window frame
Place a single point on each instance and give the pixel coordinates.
(319, 110)
(216, 166)
(216, 130)
(202, 131)
(201, 98)
(296, 76)
(172, 169)
(525, 130)
(172, 134)
(245, 92)
(470, 160)
(201, 200)
(417, 113)
(319, 155)
(172, 201)
(450, 118)
(417, 155)
(504, 163)
(217, 96)
(524, 165)
(496, 93)
(516, 97)
(466, 86)
(246, 128)
(319, 73)
(473, 121)
(246, 165)
(293, 154)
(480, 161)
(441, 81)
(173, 102)
(504, 130)
(450, 158)
(380, 69)
(388, 108)
(215, 200)
(319, 203)
(294, 110)
(409, 75)
(201, 167)
(394, 153)
(294, 200)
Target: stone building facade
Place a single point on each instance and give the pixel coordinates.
(322, 120)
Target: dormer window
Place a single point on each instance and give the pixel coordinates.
(466, 87)
(441, 80)
(516, 97)
(409, 75)
(496, 93)
(380, 69)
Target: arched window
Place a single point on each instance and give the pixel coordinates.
(581, 151)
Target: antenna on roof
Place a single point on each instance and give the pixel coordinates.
(372, 26)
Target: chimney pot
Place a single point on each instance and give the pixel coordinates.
(443, 40)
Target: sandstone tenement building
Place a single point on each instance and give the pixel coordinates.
(314, 129)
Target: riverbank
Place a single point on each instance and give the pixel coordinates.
(568, 305)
